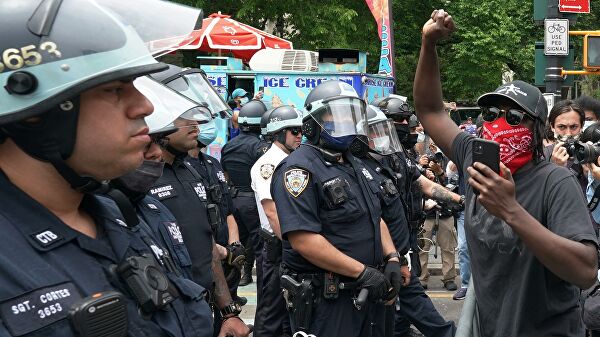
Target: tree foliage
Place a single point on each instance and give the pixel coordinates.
(493, 37)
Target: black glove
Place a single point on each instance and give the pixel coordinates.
(235, 255)
(377, 284)
(393, 275)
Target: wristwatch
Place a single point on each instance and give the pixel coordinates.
(232, 309)
(391, 256)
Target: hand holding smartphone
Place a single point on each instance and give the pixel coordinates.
(486, 152)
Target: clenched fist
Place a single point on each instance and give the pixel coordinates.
(440, 26)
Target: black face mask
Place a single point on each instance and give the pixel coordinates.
(140, 180)
(403, 130)
(409, 140)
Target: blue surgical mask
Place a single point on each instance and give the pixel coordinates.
(587, 124)
(337, 143)
(244, 100)
(208, 133)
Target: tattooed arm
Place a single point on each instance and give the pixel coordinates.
(436, 191)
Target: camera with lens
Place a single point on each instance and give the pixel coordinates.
(571, 146)
(587, 153)
(146, 281)
(437, 157)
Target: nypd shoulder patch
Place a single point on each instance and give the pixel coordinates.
(266, 171)
(296, 181)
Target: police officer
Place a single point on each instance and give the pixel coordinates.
(71, 117)
(330, 221)
(415, 306)
(182, 190)
(221, 207)
(237, 157)
(264, 120)
(284, 127)
(156, 221)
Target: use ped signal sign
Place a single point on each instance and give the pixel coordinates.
(574, 6)
(556, 37)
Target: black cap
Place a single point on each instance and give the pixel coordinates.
(525, 95)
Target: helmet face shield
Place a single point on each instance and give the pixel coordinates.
(383, 138)
(342, 116)
(168, 105)
(66, 47)
(152, 20)
(195, 86)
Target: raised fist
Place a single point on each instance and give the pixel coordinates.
(439, 26)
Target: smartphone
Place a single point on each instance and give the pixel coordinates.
(487, 152)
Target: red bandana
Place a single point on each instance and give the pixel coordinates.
(515, 142)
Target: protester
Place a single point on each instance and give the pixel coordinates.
(532, 248)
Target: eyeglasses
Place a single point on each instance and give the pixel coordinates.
(295, 131)
(513, 116)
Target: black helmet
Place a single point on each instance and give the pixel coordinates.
(347, 112)
(395, 107)
(54, 66)
(264, 120)
(194, 84)
(250, 115)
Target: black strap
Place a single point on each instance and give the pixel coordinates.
(125, 206)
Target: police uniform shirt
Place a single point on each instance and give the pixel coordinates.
(184, 194)
(238, 156)
(46, 267)
(261, 174)
(299, 188)
(211, 172)
(392, 207)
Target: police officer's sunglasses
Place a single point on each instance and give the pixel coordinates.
(295, 131)
(513, 117)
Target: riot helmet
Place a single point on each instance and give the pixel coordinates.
(264, 120)
(194, 84)
(413, 121)
(383, 138)
(168, 106)
(250, 115)
(46, 67)
(335, 116)
(395, 108)
(284, 118)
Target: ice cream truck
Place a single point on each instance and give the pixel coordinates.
(286, 76)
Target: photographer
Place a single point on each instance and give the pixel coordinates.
(591, 136)
(440, 219)
(566, 122)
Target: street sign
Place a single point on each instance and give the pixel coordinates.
(574, 6)
(556, 37)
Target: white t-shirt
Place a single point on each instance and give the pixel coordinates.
(261, 174)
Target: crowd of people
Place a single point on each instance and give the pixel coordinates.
(116, 222)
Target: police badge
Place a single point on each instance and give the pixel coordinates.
(296, 181)
(266, 170)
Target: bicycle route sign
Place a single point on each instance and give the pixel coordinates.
(556, 37)
(574, 6)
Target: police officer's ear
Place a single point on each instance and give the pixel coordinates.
(311, 130)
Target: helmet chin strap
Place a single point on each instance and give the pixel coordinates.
(280, 137)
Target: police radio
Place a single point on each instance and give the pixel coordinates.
(147, 283)
(99, 315)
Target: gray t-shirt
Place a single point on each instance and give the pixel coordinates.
(516, 294)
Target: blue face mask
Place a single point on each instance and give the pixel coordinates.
(244, 100)
(341, 143)
(208, 133)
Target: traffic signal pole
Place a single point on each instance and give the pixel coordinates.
(554, 77)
